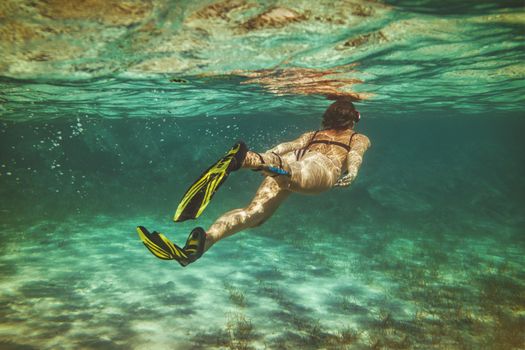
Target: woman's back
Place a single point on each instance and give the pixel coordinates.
(335, 143)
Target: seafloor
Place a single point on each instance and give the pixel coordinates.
(92, 285)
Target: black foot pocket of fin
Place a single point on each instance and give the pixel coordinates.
(200, 193)
(194, 247)
(162, 247)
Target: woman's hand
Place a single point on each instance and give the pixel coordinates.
(344, 181)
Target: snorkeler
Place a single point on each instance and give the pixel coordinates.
(313, 163)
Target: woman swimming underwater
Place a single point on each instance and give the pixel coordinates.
(315, 162)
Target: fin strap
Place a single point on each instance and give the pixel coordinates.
(280, 170)
(261, 159)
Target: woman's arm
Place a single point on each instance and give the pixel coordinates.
(354, 160)
(298, 143)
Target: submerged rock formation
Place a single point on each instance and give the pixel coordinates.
(87, 38)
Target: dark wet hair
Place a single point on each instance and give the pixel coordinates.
(340, 115)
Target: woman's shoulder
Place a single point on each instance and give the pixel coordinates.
(309, 134)
(361, 139)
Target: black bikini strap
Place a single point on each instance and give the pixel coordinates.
(310, 142)
(329, 142)
(313, 138)
(280, 163)
(350, 141)
(260, 157)
(300, 153)
(280, 160)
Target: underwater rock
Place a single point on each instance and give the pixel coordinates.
(88, 38)
(221, 10)
(334, 82)
(111, 12)
(16, 38)
(15, 32)
(362, 10)
(369, 38)
(275, 17)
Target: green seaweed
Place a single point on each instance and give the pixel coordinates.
(241, 332)
(236, 295)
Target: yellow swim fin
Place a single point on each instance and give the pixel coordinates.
(194, 246)
(163, 248)
(200, 193)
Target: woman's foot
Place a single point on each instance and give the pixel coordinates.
(194, 247)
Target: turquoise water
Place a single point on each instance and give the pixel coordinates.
(108, 111)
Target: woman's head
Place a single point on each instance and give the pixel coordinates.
(340, 115)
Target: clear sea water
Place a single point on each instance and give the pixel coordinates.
(426, 250)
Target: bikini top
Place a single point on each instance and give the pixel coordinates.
(299, 153)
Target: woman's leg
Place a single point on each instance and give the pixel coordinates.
(314, 173)
(267, 199)
(256, 160)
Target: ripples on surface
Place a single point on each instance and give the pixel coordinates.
(409, 55)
